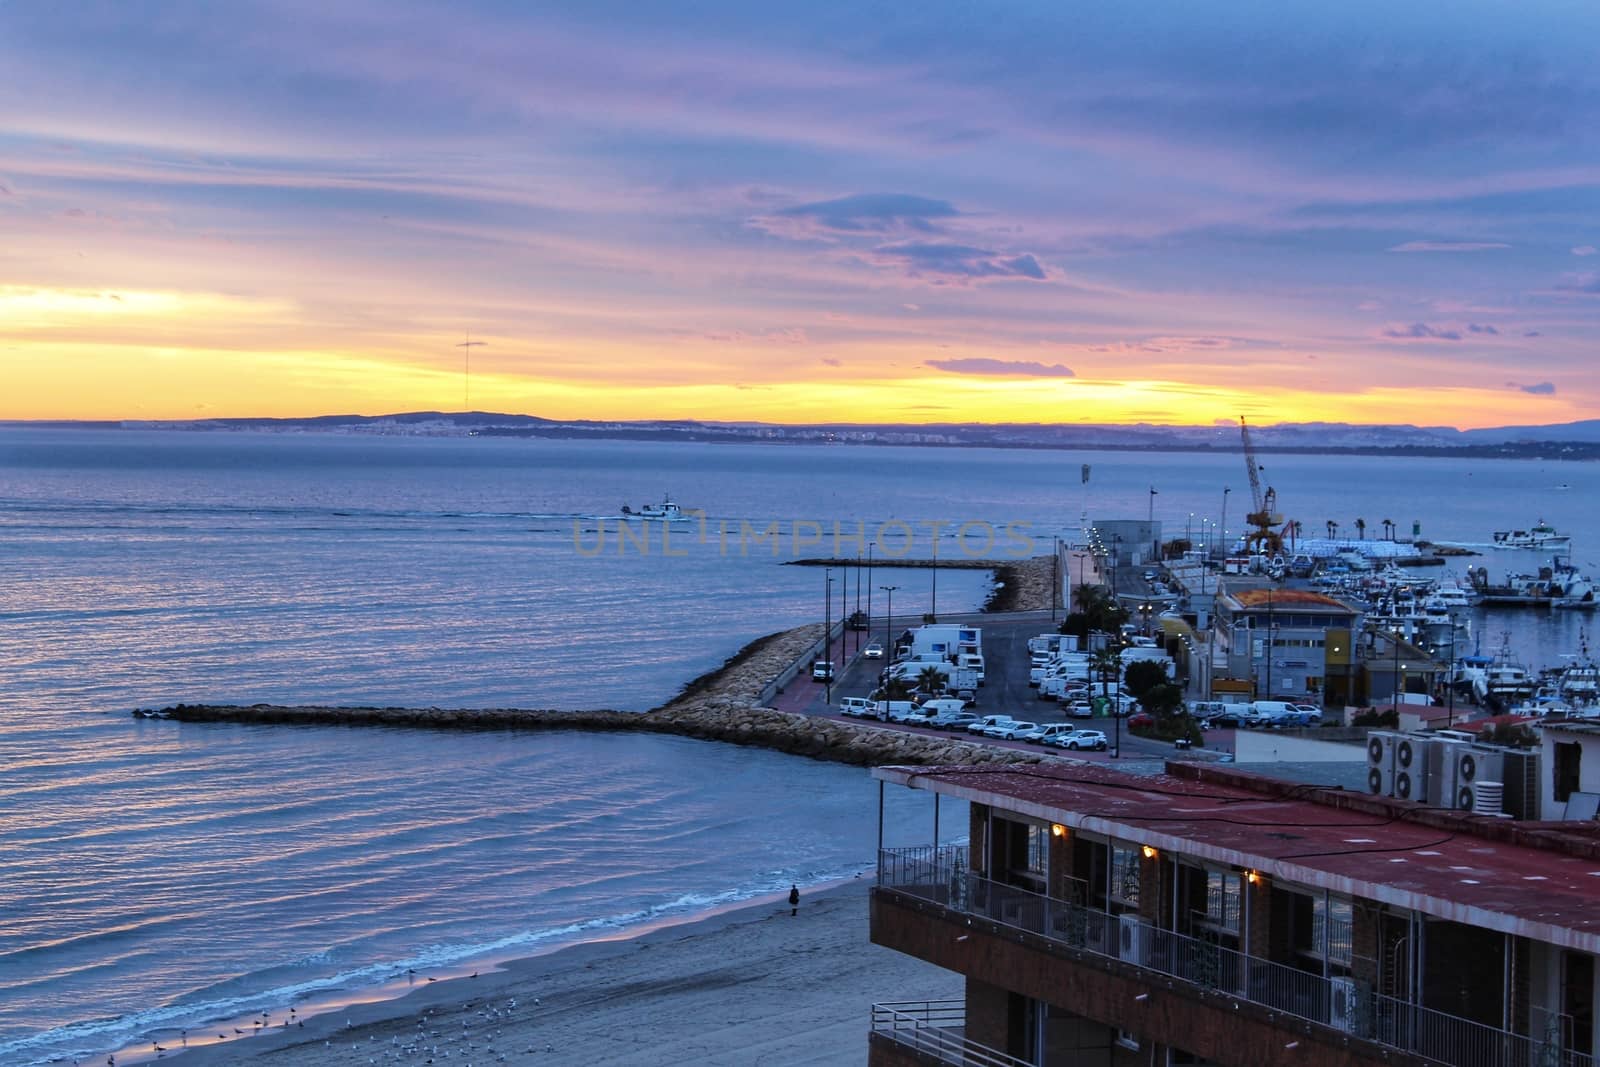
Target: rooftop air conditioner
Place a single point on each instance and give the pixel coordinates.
(1380, 762)
(1443, 760)
(1410, 768)
(1473, 767)
(1520, 776)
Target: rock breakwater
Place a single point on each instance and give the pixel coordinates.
(717, 706)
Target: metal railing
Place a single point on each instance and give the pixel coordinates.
(937, 1028)
(942, 875)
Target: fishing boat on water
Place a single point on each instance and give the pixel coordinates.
(1541, 536)
(666, 511)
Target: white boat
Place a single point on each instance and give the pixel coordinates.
(666, 511)
(1541, 536)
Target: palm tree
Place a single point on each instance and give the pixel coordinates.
(931, 679)
(1361, 528)
(1295, 527)
(1388, 529)
(1333, 529)
(1107, 663)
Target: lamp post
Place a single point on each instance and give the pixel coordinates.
(1271, 627)
(1450, 680)
(1150, 525)
(1222, 527)
(869, 588)
(888, 623)
(1395, 701)
(827, 636)
(933, 599)
(1055, 578)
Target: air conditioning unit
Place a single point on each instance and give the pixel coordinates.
(1411, 768)
(1444, 759)
(1380, 762)
(1130, 939)
(1474, 766)
(1488, 798)
(1520, 775)
(1344, 1004)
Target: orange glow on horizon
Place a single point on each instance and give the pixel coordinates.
(85, 354)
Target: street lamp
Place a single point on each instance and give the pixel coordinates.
(1395, 702)
(1450, 679)
(869, 589)
(933, 600)
(888, 623)
(1222, 527)
(827, 637)
(1150, 525)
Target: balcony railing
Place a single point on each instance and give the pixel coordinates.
(942, 875)
(937, 1028)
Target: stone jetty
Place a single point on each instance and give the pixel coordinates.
(718, 706)
(1020, 584)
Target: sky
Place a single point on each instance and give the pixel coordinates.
(1026, 212)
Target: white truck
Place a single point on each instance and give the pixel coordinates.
(956, 679)
(944, 640)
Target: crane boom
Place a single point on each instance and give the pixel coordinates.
(1251, 467)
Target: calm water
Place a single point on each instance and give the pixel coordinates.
(155, 875)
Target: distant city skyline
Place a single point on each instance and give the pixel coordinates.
(1016, 213)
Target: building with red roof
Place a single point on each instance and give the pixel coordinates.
(1210, 916)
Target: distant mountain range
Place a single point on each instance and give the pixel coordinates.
(1572, 440)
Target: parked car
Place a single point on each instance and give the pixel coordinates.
(1080, 739)
(1234, 715)
(1080, 709)
(987, 721)
(822, 670)
(953, 720)
(858, 708)
(1141, 721)
(1010, 731)
(1042, 734)
(872, 651)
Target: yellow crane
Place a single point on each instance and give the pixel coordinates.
(1264, 519)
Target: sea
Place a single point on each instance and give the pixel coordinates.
(157, 876)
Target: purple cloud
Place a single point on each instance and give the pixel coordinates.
(1025, 368)
(874, 213)
(962, 262)
(1540, 389)
(1584, 250)
(1421, 330)
(1586, 282)
(1448, 246)
(1473, 327)
(1532, 333)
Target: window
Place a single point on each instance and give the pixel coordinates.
(1569, 756)
(1125, 874)
(1222, 900)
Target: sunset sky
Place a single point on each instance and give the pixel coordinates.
(1059, 212)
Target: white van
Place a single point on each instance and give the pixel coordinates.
(943, 705)
(857, 707)
(894, 710)
(1274, 713)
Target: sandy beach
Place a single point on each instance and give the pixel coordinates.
(750, 986)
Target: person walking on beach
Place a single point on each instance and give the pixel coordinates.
(794, 900)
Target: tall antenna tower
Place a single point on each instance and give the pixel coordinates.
(466, 369)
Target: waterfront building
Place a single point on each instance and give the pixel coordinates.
(1208, 916)
(1287, 642)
